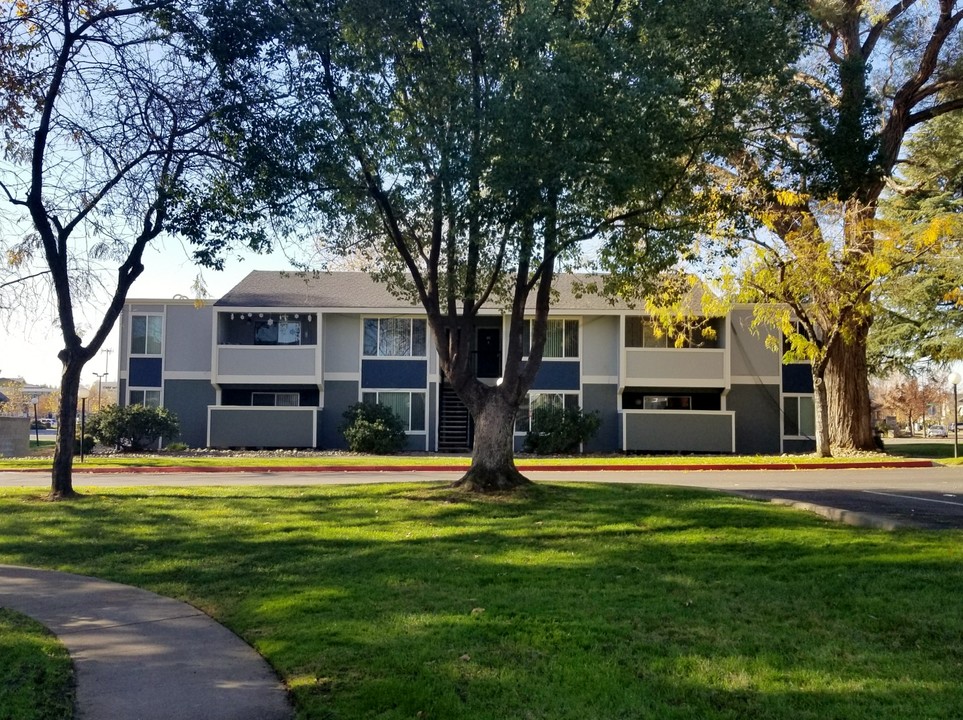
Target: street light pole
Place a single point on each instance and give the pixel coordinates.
(82, 395)
(100, 390)
(36, 421)
(954, 379)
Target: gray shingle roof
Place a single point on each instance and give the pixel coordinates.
(346, 290)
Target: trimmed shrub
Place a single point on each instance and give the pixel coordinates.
(556, 430)
(373, 429)
(133, 427)
(88, 444)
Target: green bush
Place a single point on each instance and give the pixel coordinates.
(88, 445)
(132, 427)
(556, 430)
(374, 429)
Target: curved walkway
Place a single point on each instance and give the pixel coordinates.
(140, 655)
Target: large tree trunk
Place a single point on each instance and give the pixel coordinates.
(492, 460)
(61, 484)
(847, 387)
(821, 407)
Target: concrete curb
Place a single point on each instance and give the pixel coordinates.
(140, 655)
(845, 517)
(854, 465)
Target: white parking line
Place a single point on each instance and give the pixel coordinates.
(913, 497)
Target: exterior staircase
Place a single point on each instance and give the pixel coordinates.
(454, 422)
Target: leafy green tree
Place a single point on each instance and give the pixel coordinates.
(133, 427)
(810, 182)
(466, 149)
(919, 312)
(105, 123)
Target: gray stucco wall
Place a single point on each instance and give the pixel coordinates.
(605, 400)
(188, 338)
(339, 395)
(189, 399)
(342, 343)
(749, 355)
(758, 419)
(600, 345)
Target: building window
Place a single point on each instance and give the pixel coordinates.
(799, 416)
(395, 337)
(667, 402)
(146, 333)
(268, 332)
(147, 398)
(280, 399)
(409, 406)
(643, 332)
(535, 400)
(561, 338)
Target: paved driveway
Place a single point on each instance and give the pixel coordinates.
(912, 497)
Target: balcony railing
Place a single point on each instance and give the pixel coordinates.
(267, 427)
(672, 367)
(679, 431)
(267, 364)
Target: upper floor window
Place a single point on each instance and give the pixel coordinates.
(146, 334)
(395, 337)
(561, 338)
(643, 332)
(268, 332)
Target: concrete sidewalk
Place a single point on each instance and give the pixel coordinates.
(138, 655)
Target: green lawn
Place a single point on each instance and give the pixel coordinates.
(569, 601)
(36, 677)
(924, 449)
(353, 460)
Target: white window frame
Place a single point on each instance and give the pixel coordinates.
(276, 395)
(130, 340)
(527, 338)
(145, 390)
(378, 342)
(402, 391)
(664, 342)
(528, 404)
(798, 397)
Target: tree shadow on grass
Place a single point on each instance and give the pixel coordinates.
(574, 602)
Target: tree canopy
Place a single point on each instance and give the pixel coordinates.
(468, 150)
(810, 181)
(106, 117)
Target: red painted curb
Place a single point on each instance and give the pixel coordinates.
(523, 468)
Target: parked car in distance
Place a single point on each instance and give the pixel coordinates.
(936, 431)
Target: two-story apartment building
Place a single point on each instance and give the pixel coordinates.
(277, 360)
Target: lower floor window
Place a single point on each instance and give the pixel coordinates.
(281, 399)
(409, 406)
(147, 398)
(667, 402)
(535, 400)
(799, 416)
